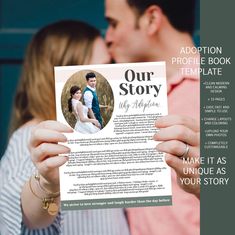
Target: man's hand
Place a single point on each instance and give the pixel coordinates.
(180, 138)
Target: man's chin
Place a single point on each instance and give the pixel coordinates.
(120, 59)
(119, 56)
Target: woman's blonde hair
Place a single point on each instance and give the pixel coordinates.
(62, 43)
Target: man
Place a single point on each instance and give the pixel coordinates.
(91, 99)
(156, 30)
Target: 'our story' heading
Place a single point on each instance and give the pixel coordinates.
(131, 76)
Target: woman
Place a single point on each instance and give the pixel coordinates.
(84, 124)
(24, 205)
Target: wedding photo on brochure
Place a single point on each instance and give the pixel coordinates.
(113, 161)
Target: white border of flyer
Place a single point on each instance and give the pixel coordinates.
(118, 166)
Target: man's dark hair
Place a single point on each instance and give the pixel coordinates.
(90, 75)
(180, 13)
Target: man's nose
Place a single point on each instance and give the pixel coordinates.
(109, 37)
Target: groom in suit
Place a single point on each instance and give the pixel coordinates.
(91, 98)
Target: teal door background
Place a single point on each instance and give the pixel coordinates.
(19, 20)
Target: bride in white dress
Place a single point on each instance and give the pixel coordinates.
(84, 124)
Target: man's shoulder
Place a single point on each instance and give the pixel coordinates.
(87, 94)
(87, 88)
(87, 91)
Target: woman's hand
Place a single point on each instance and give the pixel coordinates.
(180, 138)
(44, 149)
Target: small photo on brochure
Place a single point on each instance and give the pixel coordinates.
(76, 101)
(112, 109)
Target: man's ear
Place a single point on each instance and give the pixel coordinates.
(152, 19)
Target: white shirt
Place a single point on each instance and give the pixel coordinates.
(88, 97)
